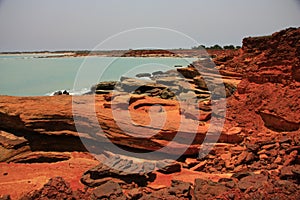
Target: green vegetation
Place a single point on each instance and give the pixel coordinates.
(199, 47)
(228, 47)
(217, 47)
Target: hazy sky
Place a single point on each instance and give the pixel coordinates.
(83, 24)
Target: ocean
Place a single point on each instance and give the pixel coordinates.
(32, 75)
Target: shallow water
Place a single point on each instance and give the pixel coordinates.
(28, 75)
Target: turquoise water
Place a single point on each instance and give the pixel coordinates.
(31, 76)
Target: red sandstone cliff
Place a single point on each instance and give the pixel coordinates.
(257, 155)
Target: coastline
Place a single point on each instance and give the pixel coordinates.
(168, 53)
(257, 154)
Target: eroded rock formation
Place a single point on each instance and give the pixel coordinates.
(257, 154)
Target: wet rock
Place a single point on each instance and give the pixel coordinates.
(57, 93)
(65, 92)
(157, 73)
(105, 85)
(140, 75)
(177, 65)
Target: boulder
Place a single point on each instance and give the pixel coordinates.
(188, 72)
(57, 93)
(278, 123)
(105, 85)
(118, 169)
(109, 190)
(56, 188)
(180, 189)
(254, 181)
(157, 73)
(233, 136)
(207, 189)
(131, 85)
(168, 168)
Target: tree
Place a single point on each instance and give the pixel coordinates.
(199, 47)
(228, 47)
(215, 47)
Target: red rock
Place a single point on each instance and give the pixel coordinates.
(265, 107)
(288, 172)
(290, 158)
(277, 122)
(232, 136)
(200, 166)
(56, 188)
(109, 190)
(191, 162)
(241, 158)
(278, 160)
(250, 157)
(255, 181)
(263, 156)
(208, 189)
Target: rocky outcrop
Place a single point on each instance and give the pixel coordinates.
(266, 59)
(239, 186)
(269, 90)
(256, 156)
(56, 188)
(135, 173)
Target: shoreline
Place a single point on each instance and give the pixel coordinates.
(256, 155)
(166, 53)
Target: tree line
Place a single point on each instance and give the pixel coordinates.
(217, 47)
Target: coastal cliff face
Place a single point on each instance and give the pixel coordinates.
(257, 154)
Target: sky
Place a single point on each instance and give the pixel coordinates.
(31, 25)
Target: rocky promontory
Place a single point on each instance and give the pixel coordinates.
(49, 144)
